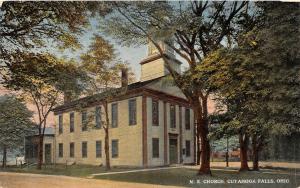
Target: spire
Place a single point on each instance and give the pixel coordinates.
(152, 50)
(153, 66)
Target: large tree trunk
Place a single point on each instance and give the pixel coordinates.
(256, 144)
(243, 139)
(106, 147)
(205, 149)
(40, 151)
(200, 111)
(255, 160)
(4, 156)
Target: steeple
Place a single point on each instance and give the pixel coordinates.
(153, 66)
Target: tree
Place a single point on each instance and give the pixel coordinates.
(15, 124)
(258, 79)
(279, 83)
(42, 80)
(103, 69)
(193, 30)
(28, 26)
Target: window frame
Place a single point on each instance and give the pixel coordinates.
(114, 123)
(60, 123)
(72, 123)
(187, 119)
(98, 155)
(84, 121)
(84, 154)
(98, 123)
(60, 150)
(155, 151)
(72, 149)
(188, 148)
(155, 118)
(132, 113)
(173, 116)
(114, 154)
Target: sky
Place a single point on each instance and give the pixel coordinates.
(131, 55)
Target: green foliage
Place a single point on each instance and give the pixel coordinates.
(43, 74)
(15, 122)
(258, 80)
(42, 79)
(27, 26)
(192, 30)
(221, 144)
(101, 64)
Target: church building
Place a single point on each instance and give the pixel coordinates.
(152, 123)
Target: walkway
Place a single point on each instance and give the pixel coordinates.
(139, 170)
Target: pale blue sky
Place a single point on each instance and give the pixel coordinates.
(131, 55)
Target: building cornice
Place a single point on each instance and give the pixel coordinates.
(153, 58)
(129, 94)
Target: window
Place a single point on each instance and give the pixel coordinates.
(132, 111)
(84, 149)
(114, 148)
(60, 124)
(98, 149)
(114, 115)
(60, 150)
(188, 148)
(187, 119)
(155, 147)
(172, 116)
(155, 113)
(98, 117)
(72, 122)
(72, 149)
(84, 121)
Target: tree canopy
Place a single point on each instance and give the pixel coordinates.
(192, 30)
(27, 26)
(258, 79)
(15, 124)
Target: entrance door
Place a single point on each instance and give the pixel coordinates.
(173, 151)
(47, 153)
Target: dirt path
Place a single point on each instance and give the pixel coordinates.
(17, 180)
(134, 171)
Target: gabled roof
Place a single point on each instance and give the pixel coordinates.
(103, 95)
(153, 58)
(150, 87)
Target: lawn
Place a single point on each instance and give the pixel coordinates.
(184, 176)
(187, 177)
(72, 170)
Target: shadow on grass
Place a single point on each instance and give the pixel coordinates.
(220, 178)
(71, 170)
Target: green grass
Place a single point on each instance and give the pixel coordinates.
(73, 170)
(173, 177)
(182, 177)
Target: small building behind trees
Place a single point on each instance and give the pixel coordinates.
(31, 147)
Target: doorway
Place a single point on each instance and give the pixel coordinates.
(48, 154)
(173, 151)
